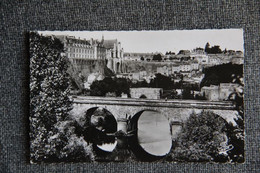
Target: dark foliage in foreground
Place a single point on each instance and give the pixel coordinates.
(202, 138)
(237, 134)
(231, 73)
(52, 135)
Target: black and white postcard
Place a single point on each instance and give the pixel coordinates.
(137, 96)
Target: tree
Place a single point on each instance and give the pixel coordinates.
(139, 84)
(236, 133)
(212, 50)
(215, 50)
(142, 58)
(202, 137)
(157, 57)
(170, 53)
(186, 93)
(49, 89)
(161, 81)
(207, 47)
(122, 86)
(212, 79)
(183, 52)
(69, 143)
(98, 88)
(102, 87)
(109, 85)
(221, 74)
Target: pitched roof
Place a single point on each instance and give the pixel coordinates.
(77, 41)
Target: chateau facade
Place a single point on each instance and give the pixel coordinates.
(77, 48)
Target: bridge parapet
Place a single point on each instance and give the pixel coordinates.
(199, 104)
(174, 110)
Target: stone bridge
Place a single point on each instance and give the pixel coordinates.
(177, 111)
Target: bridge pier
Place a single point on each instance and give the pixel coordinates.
(122, 124)
(177, 111)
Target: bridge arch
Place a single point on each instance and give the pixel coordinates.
(101, 118)
(99, 122)
(152, 135)
(137, 115)
(143, 96)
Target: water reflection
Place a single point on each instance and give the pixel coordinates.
(102, 123)
(108, 147)
(154, 134)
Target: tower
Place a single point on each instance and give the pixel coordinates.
(102, 40)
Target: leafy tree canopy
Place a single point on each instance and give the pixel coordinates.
(110, 85)
(157, 57)
(221, 74)
(201, 138)
(161, 81)
(49, 89)
(212, 50)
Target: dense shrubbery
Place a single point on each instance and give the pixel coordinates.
(203, 137)
(51, 134)
(236, 133)
(161, 81)
(65, 145)
(230, 73)
(110, 85)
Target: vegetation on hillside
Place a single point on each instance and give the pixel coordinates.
(212, 50)
(221, 74)
(114, 86)
(110, 85)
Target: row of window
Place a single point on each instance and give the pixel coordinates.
(77, 50)
(72, 55)
(79, 45)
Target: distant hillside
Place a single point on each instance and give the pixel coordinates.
(224, 73)
(137, 66)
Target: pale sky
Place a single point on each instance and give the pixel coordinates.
(167, 40)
